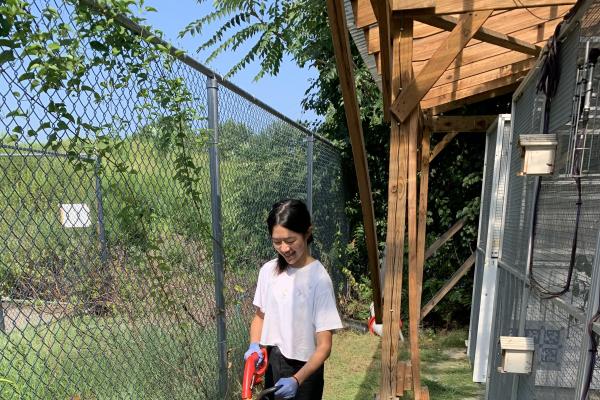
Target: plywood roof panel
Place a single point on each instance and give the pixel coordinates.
(481, 67)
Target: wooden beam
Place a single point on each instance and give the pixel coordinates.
(477, 50)
(396, 226)
(421, 236)
(414, 4)
(487, 90)
(460, 6)
(504, 59)
(462, 271)
(383, 13)
(341, 44)
(364, 14)
(435, 67)
(442, 145)
(484, 34)
(481, 79)
(445, 237)
(414, 292)
(462, 123)
(453, 105)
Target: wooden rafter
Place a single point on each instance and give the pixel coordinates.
(462, 123)
(442, 144)
(484, 34)
(468, 25)
(341, 44)
(505, 59)
(498, 89)
(470, 92)
(383, 13)
(476, 50)
(443, 7)
(481, 79)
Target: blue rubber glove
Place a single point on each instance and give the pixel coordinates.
(288, 389)
(254, 348)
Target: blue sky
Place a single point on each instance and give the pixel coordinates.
(283, 92)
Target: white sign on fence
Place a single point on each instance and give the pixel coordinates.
(75, 215)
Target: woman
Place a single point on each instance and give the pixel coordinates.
(296, 312)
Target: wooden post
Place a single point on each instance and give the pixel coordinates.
(396, 230)
(341, 45)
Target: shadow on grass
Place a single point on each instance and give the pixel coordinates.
(370, 384)
(444, 372)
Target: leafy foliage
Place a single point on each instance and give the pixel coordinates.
(300, 30)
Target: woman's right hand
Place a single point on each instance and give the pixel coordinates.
(254, 348)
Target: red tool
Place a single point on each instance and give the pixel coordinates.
(253, 375)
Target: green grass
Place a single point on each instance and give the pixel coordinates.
(99, 358)
(353, 370)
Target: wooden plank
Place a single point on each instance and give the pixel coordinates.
(401, 70)
(495, 62)
(408, 376)
(443, 7)
(457, 276)
(462, 123)
(341, 44)
(441, 145)
(424, 393)
(364, 13)
(445, 237)
(414, 4)
(383, 13)
(484, 34)
(502, 72)
(435, 67)
(477, 50)
(400, 380)
(487, 89)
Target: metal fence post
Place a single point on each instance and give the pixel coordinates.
(309, 184)
(217, 231)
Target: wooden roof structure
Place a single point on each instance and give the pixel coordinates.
(428, 57)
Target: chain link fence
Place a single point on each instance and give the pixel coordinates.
(546, 284)
(132, 210)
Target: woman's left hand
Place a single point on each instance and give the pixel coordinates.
(288, 389)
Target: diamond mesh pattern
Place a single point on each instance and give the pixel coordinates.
(106, 271)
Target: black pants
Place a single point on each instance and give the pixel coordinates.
(281, 367)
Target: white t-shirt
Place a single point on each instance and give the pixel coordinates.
(297, 304)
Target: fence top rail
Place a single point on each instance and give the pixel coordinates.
(196, 65)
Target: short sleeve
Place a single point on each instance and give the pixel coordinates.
(260, 297)
(326, 316)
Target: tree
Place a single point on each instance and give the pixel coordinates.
(300, 30)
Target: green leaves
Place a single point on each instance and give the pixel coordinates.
(6, 56)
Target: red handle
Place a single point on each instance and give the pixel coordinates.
(253, 374)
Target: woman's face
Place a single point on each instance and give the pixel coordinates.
(291, 245)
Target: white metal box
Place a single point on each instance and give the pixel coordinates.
(538, 152)
(517, 354)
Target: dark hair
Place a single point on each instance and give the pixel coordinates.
(293, 215)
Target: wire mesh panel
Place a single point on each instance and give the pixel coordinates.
(107, 256)
(331, 227)
(505, 323)
(553, 257)
(557, 336)
(550, 237)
